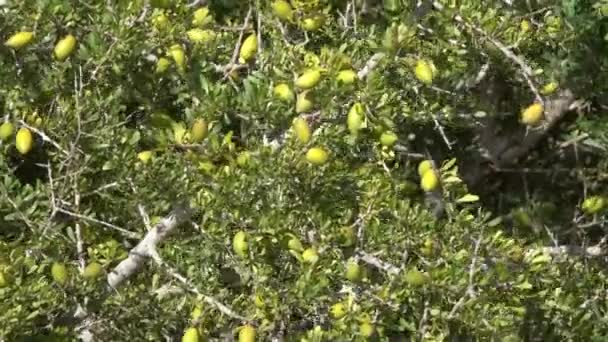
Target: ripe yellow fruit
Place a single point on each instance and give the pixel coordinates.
(199, 130)
(594, 204)
(424, 166)
(388, 139)
(92, 271)
(240, 245)
(429, 181)
(366, 329)
(300, 127)
(6, 130)
(549, 88)
(308, 79)
(416, 278)
(355, 118)
(282, 9)
(65, 47)
(424, 72)
(248, 48)
(353, 271)
(532, 115)
(201, 17)
(145, 156)
(19, 40)
(303, 103)
(162, 64)
(338, 310)
(346, 77)
(247, 333)
(179, 56)
(317, 156)
(24, 141)
(283, 92)
(59, 273)
(313, 23)
(524, 26)
(200, 36)
(310, 255)
(190, 335)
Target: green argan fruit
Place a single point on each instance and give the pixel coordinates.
(338, 310)
(283, 92)
(346, 77)
(366, 329)
(308, 79)
(355, 118)
(416, 278)
(60, 273)
(594, 204)
(388, 139)
(424, 72)
(310, 256)
(199, 130)
(92, 270)
(282, 9)
(303, 103)
(240, 245)
(301, 129)
(6, 130)
(353, 271)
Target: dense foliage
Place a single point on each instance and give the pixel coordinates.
(118, 114)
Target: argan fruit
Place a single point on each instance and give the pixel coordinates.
(201, 17)
(593, 205)
(424, 166)
(532, 115)
(313, 23)
(3, 280)
(353, 271)
(6, 130)
(347, 236)
(190, 335)
(197, 312)
(243, 158)
(282, 9)
(92, 270)
(162, 64)
(427, 247)
(248, 48)
(283, 92)
(240, 245)
(524, 26)
(337, 310)
(160, 21)
(60, 273)
(424, 72)
(355, 118)
(65, 47)
(429, 181)
(19, 40)
(247, 333)
(310, 255)
(303, 103)
(199, 130)
(144, 156)
(301, 129)
(346, 77)
(366, 329)
(317, 156)
(199, 36)
(294, 244)
(388, 139)
(549, 88)
(308, 79)
(24, 141)
(179, 56)
(415, 277)
(258, 301)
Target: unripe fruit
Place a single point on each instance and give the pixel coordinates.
(346, 77)
(366, 329)
(19, 40)
(424, 166)
(310, 256)
(190, 335)
(24, 141)
(248, 48)
(243, 158)
(355, 118)
(594, 204)
(524, 26)
(65, 47)
(549, 88)
(59, 273)
(92, 271)
(247, 334)
(338, 310)
(313, 23)
(145, 156)
(200, 36)
(300, 127)
(162, 65)
(282, 9)
(295, 245)
(160, 21)
(179, 56)
(201, 17)
(6, 130)
(303, 103)
(415, 277)
(317, 156)
(424, 72)
(532, 115)
(347, 236)
(3, 280)
(240, 245)
(388, 139)
(199, 131)
(429, 181)
(197, 312)
(308, 79)
(353, 271)
(283, 92)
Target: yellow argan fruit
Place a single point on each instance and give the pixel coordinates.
(19, 40)
(429, 181)
(199, 36)
(283, 92)
(6, 130)
(145, 156)
(59, 273)
(197, 312)
(415, 277)
(303, 102)
(353, 271)
(240, 245)
(160, 21)
(201, 17)
(594, 204)
(301, 129)
(308, 79)
(313, 23)
(366, 329)
(346, 77)
(524, 26)
(424, 72)
(248, 48)
(162, 64)
(317, 156)
(388, 139)
(243, 158)
(65, 47)
(24, 141)
(282, 9)
(337, 310)
(92, 271)
(199, 130)
(179, 56)
(355, 118)
(532, 115)
(549, 88)
(424, 166)
(190, 335)
(247, 333)
(310, 255)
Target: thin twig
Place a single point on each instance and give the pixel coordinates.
(103, 223)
